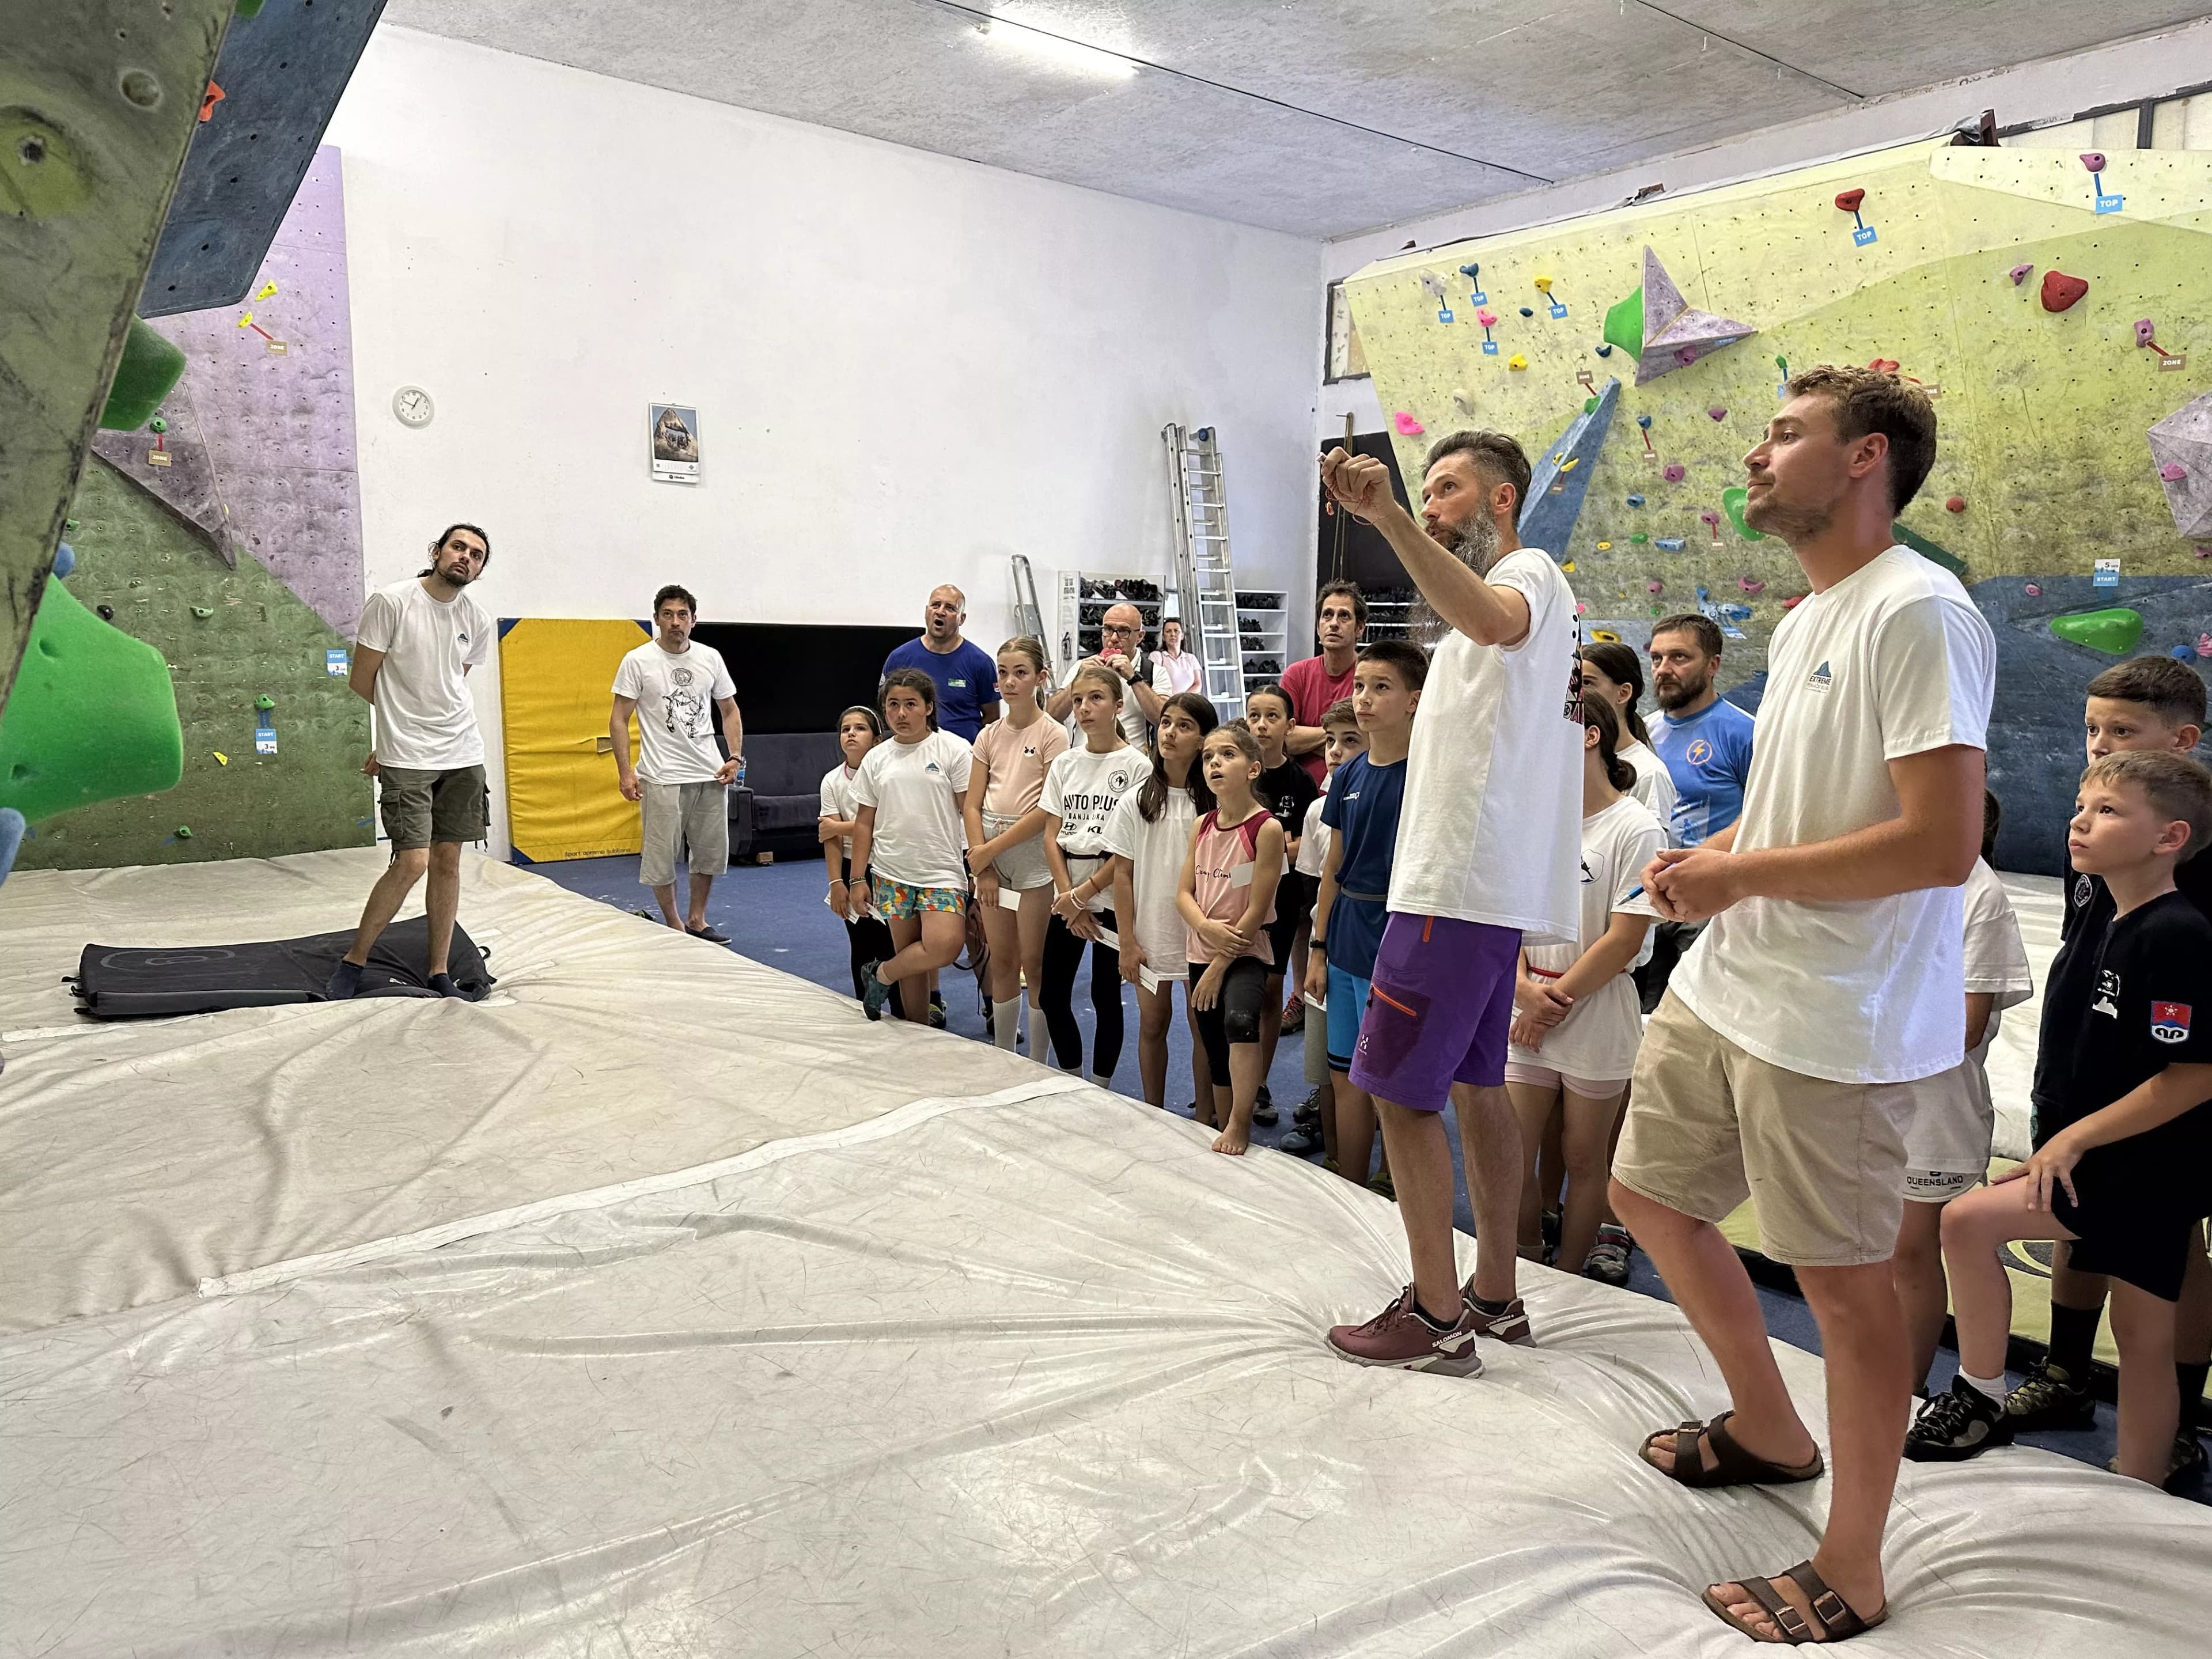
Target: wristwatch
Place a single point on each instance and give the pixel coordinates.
(1319, 944)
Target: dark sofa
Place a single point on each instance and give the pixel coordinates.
(781, 803)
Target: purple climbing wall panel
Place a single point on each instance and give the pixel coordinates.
(261, 438)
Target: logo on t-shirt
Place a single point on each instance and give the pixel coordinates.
(1587, 877)
(931, 766)
(1820, 679)
(2169, 1021)
(2108, 991)
(1698, 752)
(2082, 891)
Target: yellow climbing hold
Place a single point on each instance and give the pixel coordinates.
(1569, 466)
(1569, 566)
(267, 288)
(246, 321)
(1605, 547)
(221, 759)
(1517, 361)
(1544, 283)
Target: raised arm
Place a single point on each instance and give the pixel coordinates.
(1487, 615)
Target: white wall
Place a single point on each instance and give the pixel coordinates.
(908, 368)
(2048, 92)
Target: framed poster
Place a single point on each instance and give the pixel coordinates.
(674, 438)
(1346, 360)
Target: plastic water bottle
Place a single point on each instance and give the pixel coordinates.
(739, 782)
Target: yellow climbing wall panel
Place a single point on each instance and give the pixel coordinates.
(2043, 415)
(556, 679)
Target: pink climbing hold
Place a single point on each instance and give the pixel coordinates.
(2021, 273)
(1751, 584)
(2146, 335)
(1955, 504)
(1712, 522)
(1654, 585)
(2033, 591)
(1406, 425)
(1487, 319)
(2093, 160)
(1685, 355)
(1793, 601)
(2204, 645)
(1674, 472)
(1718, 412)
(2172, 473)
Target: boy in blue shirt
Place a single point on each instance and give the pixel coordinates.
(1361, 812)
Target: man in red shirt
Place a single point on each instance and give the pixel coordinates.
(1317, 683)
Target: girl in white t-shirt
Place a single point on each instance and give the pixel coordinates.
(1611, 670)
(1149, 835)
(1081, 792)
(1576, 1021)
(1005, 837)
(910, 794)
(859, 729)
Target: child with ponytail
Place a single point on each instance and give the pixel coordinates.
(1006, 838)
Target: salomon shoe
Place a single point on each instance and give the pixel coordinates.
(1399, 1336)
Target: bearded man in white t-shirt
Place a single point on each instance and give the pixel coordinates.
(412, 656)
(1787, 1057)
(1489, 853)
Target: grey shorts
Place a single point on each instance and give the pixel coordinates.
(680, 816)
(1021, 866)
(420, 807)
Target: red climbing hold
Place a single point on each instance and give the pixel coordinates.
(1883, 365)
(1848, 201)
(215, 95)
(2060, 291)
(1956, 504)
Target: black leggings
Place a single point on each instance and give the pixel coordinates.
(1063, 952)
(869, 940)
(1234, 1016)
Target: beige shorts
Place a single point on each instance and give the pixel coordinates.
(678, 816)
(1709, 1125)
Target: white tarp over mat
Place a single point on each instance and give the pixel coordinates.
(139, 1158)
(1043, 1378)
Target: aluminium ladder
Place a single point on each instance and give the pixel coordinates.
(1205, 586)
(1029, 617)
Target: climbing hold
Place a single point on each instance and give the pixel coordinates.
(1528, 311)
(1718, 412)
(1569, 465)
(1406, 425)
(221, 759)
(64, 560)
(2060, 291)
(2093, 160)
(1544, 284)
(1487, 319)
(1604, 547)
(1517, 361)
(1954, 504)
(104, 612)
(1654, 585)
(2184, 440)
(264, 700)
(1793, 601)
(1569, 566)
(1638, 539)
(2172, 473)
(1470, 271)
(1712, 522)
(1674, 472)
(157, 426)
(2184, 654)
(2113, 631)
(1605, 351)
(1635, 500)
(1751, 584)
(2033, 591)
(202, 611)
(1732, 503)
(2019, 273)
(2145, 332)
(51, 758)
(1671, 544)
(1685, 355)
(184, 832)
(1883, 365)
(2204, 645)
(1849, 201)
(149, 371)
(1589, 405)
(1643, 421)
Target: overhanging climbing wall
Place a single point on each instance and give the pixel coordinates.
(2046, 464)
(556, 687)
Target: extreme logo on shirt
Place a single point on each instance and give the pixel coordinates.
(2169, 1021)
(1820, 679)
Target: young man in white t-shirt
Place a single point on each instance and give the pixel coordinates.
(681, 781)
(412, 653)
(1785, 1055)
(1488, 855)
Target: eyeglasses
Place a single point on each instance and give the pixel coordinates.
(1118, 627)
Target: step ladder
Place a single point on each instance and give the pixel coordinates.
(1205, 586)
(1028, 618)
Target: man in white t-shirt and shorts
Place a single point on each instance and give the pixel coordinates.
(412, 653)
(1489, 852)
(681, 782)
(1784, 1061)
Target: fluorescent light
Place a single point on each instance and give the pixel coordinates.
(1051, 51)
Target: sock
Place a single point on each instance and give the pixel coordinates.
(344, 981)
(1992, 1388)
(1007, 1021)
(1431, 1319)
(2192, 1394)
(443, 986)
(1492, 1309)
(2072, 1338)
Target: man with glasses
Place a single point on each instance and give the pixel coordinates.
(1121, 649)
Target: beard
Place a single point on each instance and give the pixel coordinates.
(1474, 544)
(1678, 693)
(1789, 523)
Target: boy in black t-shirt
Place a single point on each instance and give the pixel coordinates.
(2151, 702)
(2123, 1166)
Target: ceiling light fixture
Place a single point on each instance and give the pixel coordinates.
(1050, 51)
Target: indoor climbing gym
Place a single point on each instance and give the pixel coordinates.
(1014, 828)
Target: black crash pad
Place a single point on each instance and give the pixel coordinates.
(116, 981)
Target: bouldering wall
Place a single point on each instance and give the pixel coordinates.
(2054, 310)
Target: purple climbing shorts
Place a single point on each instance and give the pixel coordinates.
(1440, 1008)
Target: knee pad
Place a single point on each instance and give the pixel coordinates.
(1241, 1025)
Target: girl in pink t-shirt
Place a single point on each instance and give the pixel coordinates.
(1227, 899)
(1006, 838)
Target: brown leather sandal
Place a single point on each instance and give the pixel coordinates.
(1840, 1619)
(1732, 1465)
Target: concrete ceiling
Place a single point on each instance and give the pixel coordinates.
(1319, 118)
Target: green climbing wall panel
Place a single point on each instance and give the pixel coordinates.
(256, 640)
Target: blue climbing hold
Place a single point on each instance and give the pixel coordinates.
(1643, 421)
(1635, 500)
(2184, 653)
(64, 560)
(1605, 351)
(1671, 544)
(11, 837)
(1526, 312)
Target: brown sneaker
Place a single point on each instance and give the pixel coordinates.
(1511, 1326)
(1398, 1336)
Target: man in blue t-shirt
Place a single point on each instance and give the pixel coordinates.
(1706, 744)
(1361, 811)
(967, 676)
